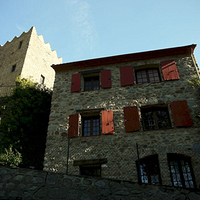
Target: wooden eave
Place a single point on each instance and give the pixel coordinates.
(125, 58)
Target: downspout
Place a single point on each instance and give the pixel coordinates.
(139, 173)
(68, 140)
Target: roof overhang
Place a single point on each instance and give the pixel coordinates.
(126, 58)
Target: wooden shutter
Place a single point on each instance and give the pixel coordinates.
(169, 70)
(181, 114)
(107, 122)
(131, 119)
(105, 79)
(126, 73)
(73, 126)
(76, 82)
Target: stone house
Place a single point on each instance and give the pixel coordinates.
(29, 57)
(121, 108)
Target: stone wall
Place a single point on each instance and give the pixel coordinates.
(11, 55)
(32, 59)
(119, 148)
(39, 59)
(26, 184)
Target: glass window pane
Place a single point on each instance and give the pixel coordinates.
(149, 170)
(141, 77)
(180, 176)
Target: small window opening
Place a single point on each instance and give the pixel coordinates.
(91, 167)
(13, 68)
(42, 78)
(90, 170)
(20, 45)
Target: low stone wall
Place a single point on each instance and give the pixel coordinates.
(29, 184)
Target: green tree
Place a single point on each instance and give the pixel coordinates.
(24, 121)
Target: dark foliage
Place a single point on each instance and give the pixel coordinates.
(24, 121)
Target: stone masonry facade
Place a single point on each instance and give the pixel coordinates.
(27, 56)
(114, 149)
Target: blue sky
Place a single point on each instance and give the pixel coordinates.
(86, 29)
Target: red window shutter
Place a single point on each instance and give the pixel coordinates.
(107, 122)
(126, 73)
(181, 114)
(105, 79)
(73, 126)
(76, 82)
(169, 70)
(131, 118)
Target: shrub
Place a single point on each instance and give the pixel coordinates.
(10, 157)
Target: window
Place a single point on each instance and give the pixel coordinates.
(42, 78)
(20, 45)
(181, 171)
(91, 125)
(91, 82)
(13, 68)
(90, 170)
(147, 76)
(155, 118)
(91, 167)
(149, 170)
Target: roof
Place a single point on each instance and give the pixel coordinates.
(126, 58)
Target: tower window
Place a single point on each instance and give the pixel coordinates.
(42, 78)
(20, 45)
(13, 68)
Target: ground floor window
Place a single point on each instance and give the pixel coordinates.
(90, 167)
(90, 170)
(181, 171)
(148, 170)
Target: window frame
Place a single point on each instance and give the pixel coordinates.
(92, 168)
(173, 157)
(154, 109)
(91, 78)
(150, 163)
(146, 70)
(91, 163)
(90, 117)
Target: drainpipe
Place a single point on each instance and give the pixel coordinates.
(139, 173)
(68, 155)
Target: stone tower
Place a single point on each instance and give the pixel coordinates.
(27, 56)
